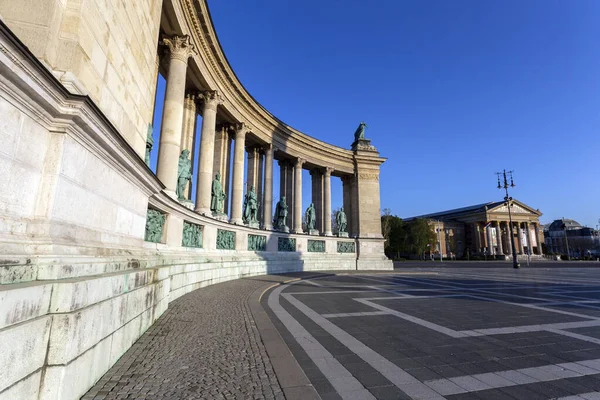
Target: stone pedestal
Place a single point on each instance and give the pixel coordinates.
(187, 204)
(284, 229)
(220, 216)
(313, 232)
(253, 224)
(342, 234)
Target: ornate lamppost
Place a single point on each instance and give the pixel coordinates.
(508, 201)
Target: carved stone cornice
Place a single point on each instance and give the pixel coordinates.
(180, 47)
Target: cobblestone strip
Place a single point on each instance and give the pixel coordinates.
(205, 346)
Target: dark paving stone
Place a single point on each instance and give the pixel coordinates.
(205, 345)
(388, 393)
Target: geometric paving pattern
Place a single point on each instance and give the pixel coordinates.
(445, 334)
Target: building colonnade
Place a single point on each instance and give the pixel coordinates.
(493, 237)
(222, 150)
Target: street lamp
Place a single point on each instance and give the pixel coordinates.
(508, 200)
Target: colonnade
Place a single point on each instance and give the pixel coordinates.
(222, 151)
(494, 237)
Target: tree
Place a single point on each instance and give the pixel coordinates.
(394, 234)
(421, 236)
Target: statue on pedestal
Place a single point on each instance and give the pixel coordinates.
(217, 199)
(250, 216)
(342, 222)
(311, 219)
(184, 174)
(280, 215)
(360, 132)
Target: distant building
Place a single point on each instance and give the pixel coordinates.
(483, 230)
(569, 237)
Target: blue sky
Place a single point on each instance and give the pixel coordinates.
(452, 91)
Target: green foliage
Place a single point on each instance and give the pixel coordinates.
(404, 238)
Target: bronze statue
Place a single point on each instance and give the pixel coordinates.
(184, 173)
(250, 207)
(360, 131)
(311, 217)
(217, 199)
(280, 213)
(341, 220)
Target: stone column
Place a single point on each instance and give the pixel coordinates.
(268, 197)
(327, 207)
(490, 243)
(347, 202)
(317, 197)
(211, 100)
(290, 193)
(222, 160)
(519, 239)
(499, 237)
(298, 195)
(180, 49)
(238, 174)
(188, 133)
(286, 188)
(253, 162)
(260, 182)
(537, 239)
(528, 236)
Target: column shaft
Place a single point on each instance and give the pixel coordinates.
(499, 238)
(327, 190)
(222, 159)
(528, 236)
(537, 239)
(188, 134)
(207, 152)
(170, 137)
(238, 175)
(298, 196)
(317, 197)
(268, 197)
(260, 184)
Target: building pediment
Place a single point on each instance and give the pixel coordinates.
(517, 208)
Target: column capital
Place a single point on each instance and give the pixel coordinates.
(300, 161)
(328, 171)
(211, 99)
(180, 47)
(241, 128)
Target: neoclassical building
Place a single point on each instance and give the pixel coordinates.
(484, 229)
(94, 244)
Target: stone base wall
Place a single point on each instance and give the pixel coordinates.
(78, 283)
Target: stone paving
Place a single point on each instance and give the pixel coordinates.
(206, 346)
(460, 334)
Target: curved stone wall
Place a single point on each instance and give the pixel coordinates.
(78, 281)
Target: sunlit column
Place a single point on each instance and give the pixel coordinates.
(298, 196)
(211, 100)
(180, 49)
(237, 190)
(327, 190)
(268, 197)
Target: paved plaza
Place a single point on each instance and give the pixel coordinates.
(415, 333)
(488, 333)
